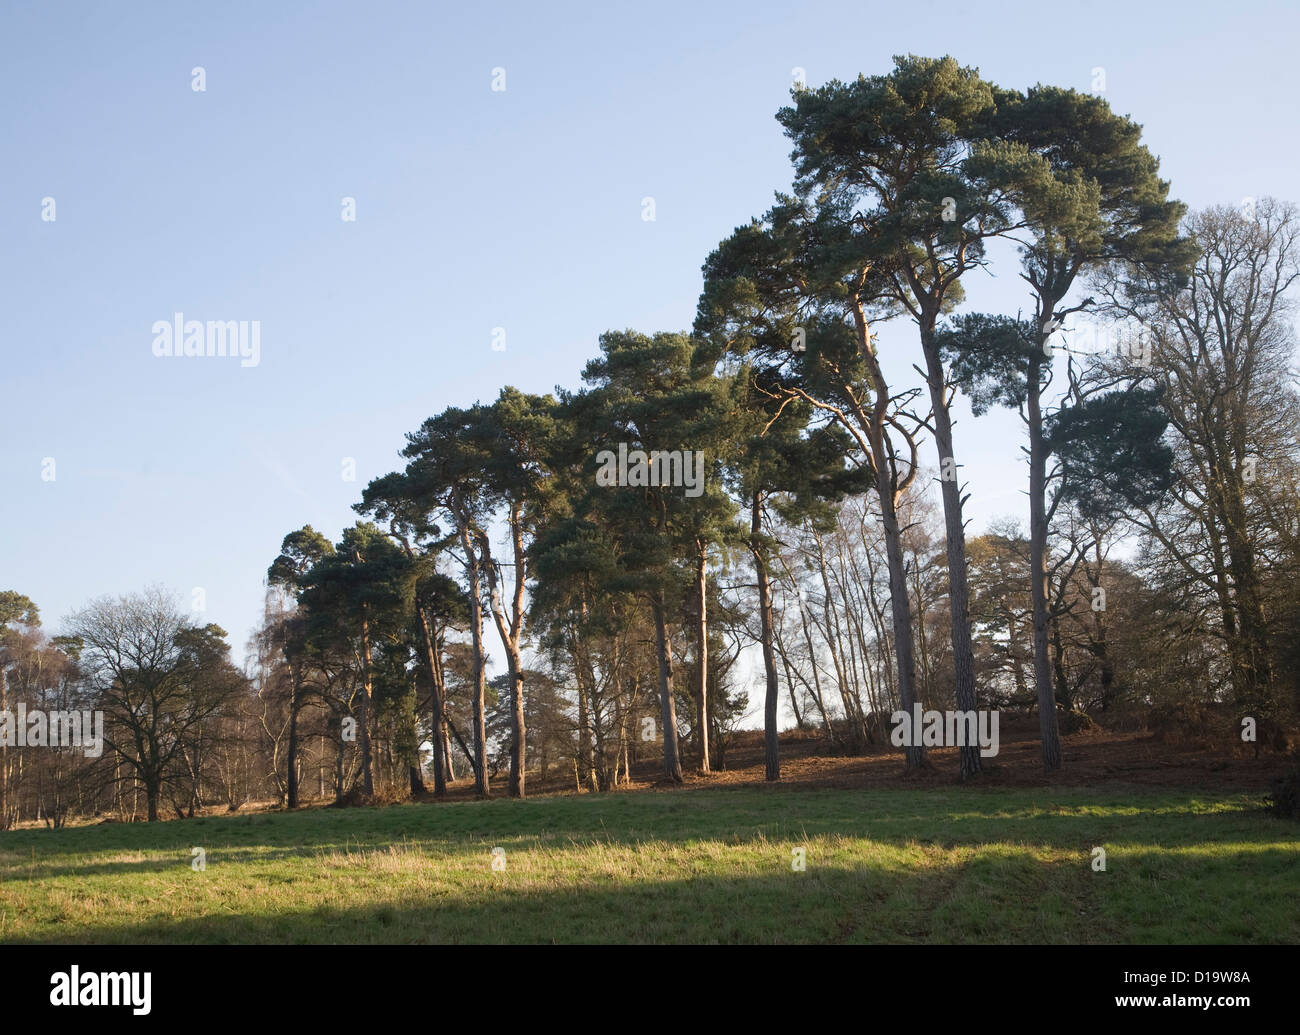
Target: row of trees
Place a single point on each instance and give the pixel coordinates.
(903, 183)
(1156, 568)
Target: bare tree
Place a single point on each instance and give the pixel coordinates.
(156, 676)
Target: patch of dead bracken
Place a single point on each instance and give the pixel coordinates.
(1090, 758)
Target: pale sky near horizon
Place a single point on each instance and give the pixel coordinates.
(475, 209)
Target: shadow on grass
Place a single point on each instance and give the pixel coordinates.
(825, 904)
(958, 866)
(1063, 822)
(986, 899)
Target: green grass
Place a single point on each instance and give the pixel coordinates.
(929, 865)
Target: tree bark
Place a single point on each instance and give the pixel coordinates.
(702, 646)
(1252, 649)
(4, 755)
(338, 771)
(584, 763)
(438, 734)
(887, 489)
(963, 653)
(667, 705)
(295, 677)
(476, 629)
(510, 629)
(899, 601)
(152, 791)
(771, 742)
(1047, 723)
(363, 719)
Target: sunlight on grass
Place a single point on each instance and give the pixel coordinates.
(896, 866)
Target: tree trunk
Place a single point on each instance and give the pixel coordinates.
(4, 756)
(1058, 665)
(510, 629)
(446, 747)
(152, 790)
(799, 723)
(363, 719)
(771, 743)
(464, 748)
(438, 735)
(480, 684)
(584, 763)
(1047, 724)
(294, 692)
(518, 733)
(1101, 644)
(963, 653)
(1013, 657)
(926, 680)
(818, 698)
(667, 705)
(1253, 650)
(702, 641)
(887, 490)
(900, 603)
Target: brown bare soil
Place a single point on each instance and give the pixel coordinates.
(1089, 758)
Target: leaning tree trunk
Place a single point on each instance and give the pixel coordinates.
(900, 601)
(510, 629)
(963, 652)
(446, 749)
(518, 730)
(667, 706)
(1047, 724)
(887, 490)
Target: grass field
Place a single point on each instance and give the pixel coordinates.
(924, 865)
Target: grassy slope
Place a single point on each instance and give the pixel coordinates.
(938, 865)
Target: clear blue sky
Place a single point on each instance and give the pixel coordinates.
(475, 209)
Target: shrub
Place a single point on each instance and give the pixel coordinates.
(1077, 722)
(1285, 797)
